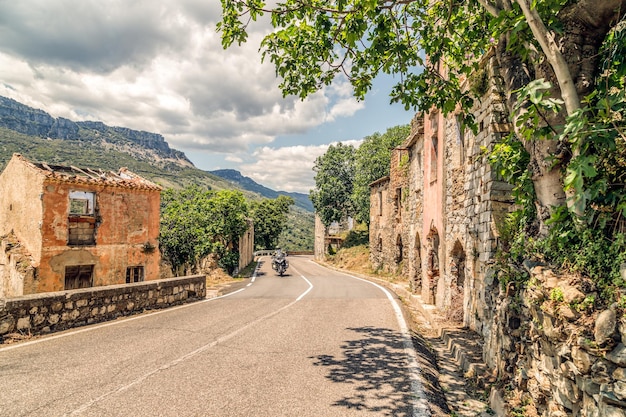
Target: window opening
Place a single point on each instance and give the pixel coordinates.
(82, 219)
(134, 274)
(78, 276)
(82, 203)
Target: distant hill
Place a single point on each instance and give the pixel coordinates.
(301, 200)
(43, 138)
(143, 146)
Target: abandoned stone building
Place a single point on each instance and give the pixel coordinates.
(434, 217)
(65, 227)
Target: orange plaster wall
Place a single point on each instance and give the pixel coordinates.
(127, 219)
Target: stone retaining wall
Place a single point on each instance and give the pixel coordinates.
(557, 356)
(49, 312)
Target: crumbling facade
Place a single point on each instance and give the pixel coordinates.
(66, 228)
(435, 217)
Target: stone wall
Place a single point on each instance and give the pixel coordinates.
(246, 246)
(48, 312)
(554, 353)
(476, 201)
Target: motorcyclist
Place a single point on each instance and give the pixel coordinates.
(279, 263)
(278, 255)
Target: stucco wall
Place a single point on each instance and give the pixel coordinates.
(127, 229)
(21, 208)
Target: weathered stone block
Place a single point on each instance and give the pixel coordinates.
(582, 359)
(38, 319)
(618, 355)
(7, 324)
(605, 326)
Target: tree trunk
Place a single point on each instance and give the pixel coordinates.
(570, 64)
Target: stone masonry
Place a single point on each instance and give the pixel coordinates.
(47, 312)
(437, 219)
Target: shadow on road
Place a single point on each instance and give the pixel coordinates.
(376, 365)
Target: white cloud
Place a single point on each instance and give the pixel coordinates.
(288, 168)
(159, 66)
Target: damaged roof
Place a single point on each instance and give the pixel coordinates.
(91, 176)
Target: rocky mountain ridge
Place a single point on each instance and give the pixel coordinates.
(140, 144)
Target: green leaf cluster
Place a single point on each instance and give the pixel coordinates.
(334, 181)
(592, 242)
(270, 219)
(196, 223)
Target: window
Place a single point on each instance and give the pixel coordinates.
(82, 219)
(434, 157)
(134, 274)
(82, 203)
(398, 202)
(78, 276)
(380, 203)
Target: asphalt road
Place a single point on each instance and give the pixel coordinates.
(312, 343)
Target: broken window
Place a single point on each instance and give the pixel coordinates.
(82, 203)
(134, 274)
(398, 202)
(78, 276)
(82, 220)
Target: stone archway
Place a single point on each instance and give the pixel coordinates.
(399, 253)
(416, 270)
(457, 269)
(429, 289)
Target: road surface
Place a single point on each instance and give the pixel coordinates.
(312, 343)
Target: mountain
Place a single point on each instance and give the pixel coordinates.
(144, 146)
(301, 200)
(42, 138)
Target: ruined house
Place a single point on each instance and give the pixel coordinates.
(64, 228)
(396, 211)
(434, 218)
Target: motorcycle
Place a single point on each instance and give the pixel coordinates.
(280, 264)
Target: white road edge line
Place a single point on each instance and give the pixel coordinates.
(90, 328)
(420, 405)
(191, 354)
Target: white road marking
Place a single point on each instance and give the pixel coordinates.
(420, 405)
(189, 355)
(120, 320)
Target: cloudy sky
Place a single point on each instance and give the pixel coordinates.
(158, 65)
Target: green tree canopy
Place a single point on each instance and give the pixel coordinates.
(197, 222)
(372, 162)
(560, 64)
(334, 179)
(433, 46)
(270, 217)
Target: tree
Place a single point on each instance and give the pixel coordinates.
(270, 217)
(334, 178)
(196, 223)
(553, 41)
(372, 161)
